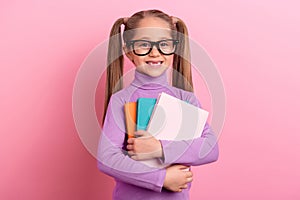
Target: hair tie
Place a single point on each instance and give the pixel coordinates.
(125, 20)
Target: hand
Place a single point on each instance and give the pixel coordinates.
(144, 147)
(177, 178)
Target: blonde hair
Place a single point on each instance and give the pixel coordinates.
(182, 75)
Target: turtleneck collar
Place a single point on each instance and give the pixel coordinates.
(147, 82)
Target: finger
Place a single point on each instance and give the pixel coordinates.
(130, 141)
(188, 174)
(131, 153)
(129, 147)
(184, 186)
(183, 167)
(188, 180)
(134, 157)
(141, 133)
(179, 190)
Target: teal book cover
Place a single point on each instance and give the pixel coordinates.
(144, 111)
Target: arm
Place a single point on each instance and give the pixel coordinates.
(112, 160)
(199, 151)
(188, 152)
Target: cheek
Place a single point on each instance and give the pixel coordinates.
(169, 59)
(137, 60)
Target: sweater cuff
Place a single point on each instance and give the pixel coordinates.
(166, 151)
(160, 181)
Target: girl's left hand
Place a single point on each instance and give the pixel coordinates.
(144, 147)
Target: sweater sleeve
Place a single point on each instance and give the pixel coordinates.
(198, 151)
(113, 161)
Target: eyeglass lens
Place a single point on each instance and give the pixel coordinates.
(144, 47)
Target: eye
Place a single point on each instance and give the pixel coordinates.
(164, 44)
(144, 44)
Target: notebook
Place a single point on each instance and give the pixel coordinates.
(167, 118)
(174, 119)
(144, 111)
(130, 118)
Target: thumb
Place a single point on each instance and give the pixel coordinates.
(141, 133)
(183, 167)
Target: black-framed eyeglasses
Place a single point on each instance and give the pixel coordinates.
(144, 47)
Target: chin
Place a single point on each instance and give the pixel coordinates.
(152, 71)
(155, 73)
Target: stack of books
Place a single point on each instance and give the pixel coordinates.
(165, 118)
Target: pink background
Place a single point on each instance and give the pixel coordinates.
(255, 45)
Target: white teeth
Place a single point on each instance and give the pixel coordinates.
(154, 63)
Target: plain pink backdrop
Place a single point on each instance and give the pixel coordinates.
(255, 45)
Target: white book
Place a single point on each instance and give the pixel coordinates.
(173, 119)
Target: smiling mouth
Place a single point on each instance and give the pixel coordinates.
(154, 63)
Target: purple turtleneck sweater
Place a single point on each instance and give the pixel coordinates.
(135, 180)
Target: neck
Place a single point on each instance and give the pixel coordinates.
(148, 82)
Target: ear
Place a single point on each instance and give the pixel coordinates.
(128, 53)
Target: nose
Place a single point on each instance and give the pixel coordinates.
(154, 52)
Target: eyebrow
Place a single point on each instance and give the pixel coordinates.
(147, 38)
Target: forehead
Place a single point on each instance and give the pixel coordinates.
(152, 28)
(152, 33)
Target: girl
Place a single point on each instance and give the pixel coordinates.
(153, 41)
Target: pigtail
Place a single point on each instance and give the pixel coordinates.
(182, 75)
(114, 70)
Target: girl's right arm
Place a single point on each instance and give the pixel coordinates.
(115, 162)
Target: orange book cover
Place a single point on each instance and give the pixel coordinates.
(130, 118)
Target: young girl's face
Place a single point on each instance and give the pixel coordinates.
(151, 29)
